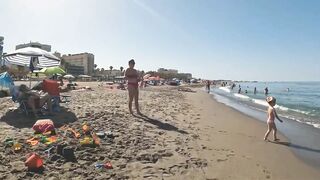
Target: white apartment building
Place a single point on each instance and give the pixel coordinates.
(85, 60)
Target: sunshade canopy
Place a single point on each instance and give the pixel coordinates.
(22, 57)
(52, 70)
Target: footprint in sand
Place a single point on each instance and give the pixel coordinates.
(221, 160)
(221, 131)
(178, 169)
(267, 173)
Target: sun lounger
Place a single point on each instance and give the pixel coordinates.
(23, 104)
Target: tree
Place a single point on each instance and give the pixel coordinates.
(121, 70)
(111, 67)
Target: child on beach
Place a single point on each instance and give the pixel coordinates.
(271, 116)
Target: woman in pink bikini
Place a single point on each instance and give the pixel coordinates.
(132, 77)
(272, 114)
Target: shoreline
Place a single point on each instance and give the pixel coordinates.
(303, 139)
(244, 135)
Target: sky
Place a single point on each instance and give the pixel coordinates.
(265, 40)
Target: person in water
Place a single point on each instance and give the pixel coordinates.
(266, 91)
(272, 114)
(132, 77)
(255, 90)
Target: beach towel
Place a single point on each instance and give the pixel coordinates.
(43, 126)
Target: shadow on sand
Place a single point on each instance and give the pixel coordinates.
(20, 120)
(159, 124)
(296, 146)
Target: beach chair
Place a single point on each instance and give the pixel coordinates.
(52, 88)
(23, 104)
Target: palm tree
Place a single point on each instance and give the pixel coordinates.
(111, 67)
(121, 70)
(95, 71)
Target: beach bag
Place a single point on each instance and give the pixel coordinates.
(43, 125)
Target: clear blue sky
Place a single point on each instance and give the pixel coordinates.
(214, 39)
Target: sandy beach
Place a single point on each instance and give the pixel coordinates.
(182, 135)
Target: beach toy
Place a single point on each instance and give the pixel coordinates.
(101, 134)
(106, 165)
(96, 139)
(99, 165)
(34, 161)
(33, 141)
(48, 133)
(85, 128)
(60, 148)
(51, 140)
(75, 133)
(109, 134)
(9, 142)
(86, 141)
(16, 147)
(68, 154)
(48, 151)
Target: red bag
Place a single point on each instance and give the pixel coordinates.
(43, 125)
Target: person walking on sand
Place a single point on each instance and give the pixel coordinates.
(208, 86)
(132, 77)
(272, 114)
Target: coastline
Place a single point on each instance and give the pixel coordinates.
(303, 139)
(252, 158)
(183, 135)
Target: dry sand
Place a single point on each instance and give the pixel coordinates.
(183, 135)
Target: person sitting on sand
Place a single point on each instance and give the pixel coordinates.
(271, 116)
(35, 99)
(132, 77)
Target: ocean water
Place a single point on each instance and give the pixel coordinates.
(298, 101)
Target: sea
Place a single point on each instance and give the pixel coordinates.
(298, 104)
(298, 101)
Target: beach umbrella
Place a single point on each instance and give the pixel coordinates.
(68, 76)
(84, 76)
(6, 80)
(52, 70)
(24, 57)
